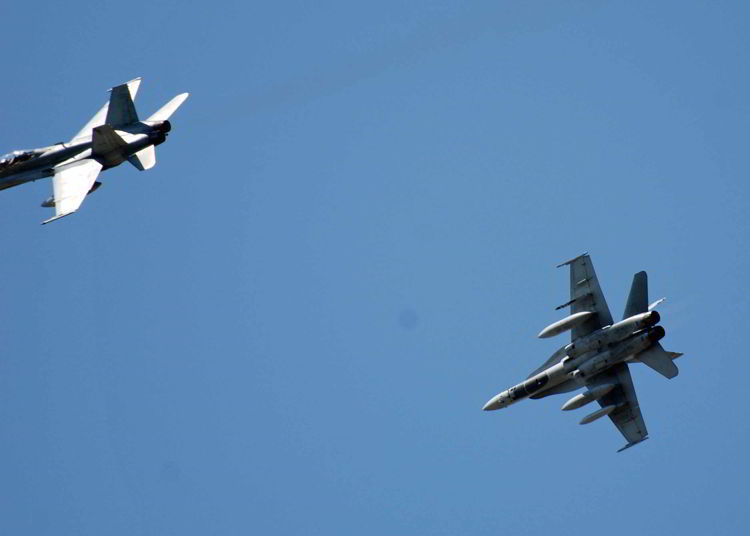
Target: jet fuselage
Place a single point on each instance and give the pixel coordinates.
(114, 134)
(604, 348)
(26, 166)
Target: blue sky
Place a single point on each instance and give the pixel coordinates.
(290, 325)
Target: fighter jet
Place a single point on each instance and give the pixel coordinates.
(599, 352)
(113, 135)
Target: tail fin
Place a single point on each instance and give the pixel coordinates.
(166, 111)
(121, 110)
(638, 297)
(102, 116)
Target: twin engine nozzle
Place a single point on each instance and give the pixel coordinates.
(160, 132)
(164, 126)
(633, 345)
(656, 334)
(653, 318)
(598, 340)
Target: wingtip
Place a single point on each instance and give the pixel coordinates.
(574, 259)
(45, 222)
(137, 80)
(634, 443)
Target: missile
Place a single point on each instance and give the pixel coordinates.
(606, 410)
(569, 322)
(587, 397)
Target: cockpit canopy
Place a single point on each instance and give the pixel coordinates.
(16, 157)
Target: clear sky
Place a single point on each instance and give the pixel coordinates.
(290, 325)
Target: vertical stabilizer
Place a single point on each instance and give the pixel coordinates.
(166, 111)
(102, 115)
(121, 110)
(638, 298)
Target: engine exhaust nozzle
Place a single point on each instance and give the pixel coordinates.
(656, 334)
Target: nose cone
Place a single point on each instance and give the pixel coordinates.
(494, 403)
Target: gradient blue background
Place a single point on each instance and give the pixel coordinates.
(290, 325)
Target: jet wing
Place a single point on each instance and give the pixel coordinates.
(586, 295)
(70, 184)
(627, 417)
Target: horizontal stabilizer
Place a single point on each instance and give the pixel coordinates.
(166, 111)
(660, 360)
(107, 147)
(144, 159)
(106, 140)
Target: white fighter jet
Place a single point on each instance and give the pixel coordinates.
(597, 357)
(113, 135)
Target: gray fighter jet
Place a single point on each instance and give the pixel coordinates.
(599, 352)
(113, 135)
